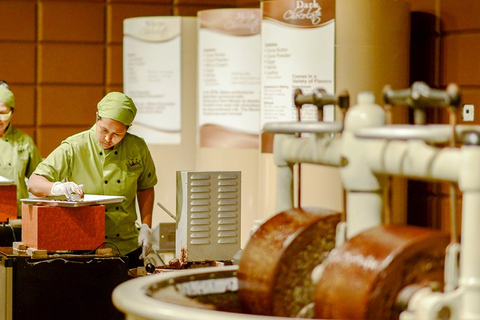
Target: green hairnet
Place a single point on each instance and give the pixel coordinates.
(7, 97)
(117, 106)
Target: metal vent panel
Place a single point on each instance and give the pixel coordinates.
(208, 228)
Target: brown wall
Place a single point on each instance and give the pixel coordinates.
(445, 44)
(61, 57)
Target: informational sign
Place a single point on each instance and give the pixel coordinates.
(152, 76)
(229, 77)
(298, 51)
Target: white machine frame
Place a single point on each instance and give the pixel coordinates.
(373, 151)
(366, 157)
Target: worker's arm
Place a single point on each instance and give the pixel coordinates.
(146, 199)
(41, 187)
(145, 203)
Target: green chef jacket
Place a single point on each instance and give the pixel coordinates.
(119, 171)
(18, 158)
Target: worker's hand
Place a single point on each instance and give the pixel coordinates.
(67, 189)
(145, 240)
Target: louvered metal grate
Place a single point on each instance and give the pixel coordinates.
(208, 214)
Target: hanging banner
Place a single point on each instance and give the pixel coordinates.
(229, 78)
(152, 76)
(298, 51)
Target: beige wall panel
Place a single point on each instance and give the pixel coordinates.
(168, 160)
(172, 158)
(246, 161)
(267, 183)
(374, 52)
(459, 60)
(114, 64)
(18, 62)
(24, 105)
(50, 137)
(321, 186)
(71, 21)
(18, 20)
(117, 12)
(72, 105)
(460, 15)
(328, 189)
(71, 63)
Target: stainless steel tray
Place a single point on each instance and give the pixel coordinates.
(88, 200)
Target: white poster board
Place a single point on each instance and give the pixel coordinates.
(298, 51)
(152, 76)
(229, 77)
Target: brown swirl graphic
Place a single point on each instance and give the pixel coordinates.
(220, 137)
(237, 22)
(300, 13)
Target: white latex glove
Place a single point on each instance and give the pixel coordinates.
(67, 189)
(145, 240)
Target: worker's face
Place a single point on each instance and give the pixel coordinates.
(110, 132)
(6, 116)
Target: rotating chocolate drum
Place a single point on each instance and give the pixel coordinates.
(275, 267)
(363, 278)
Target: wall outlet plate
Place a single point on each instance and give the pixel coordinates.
(468, 111)
(167, 236)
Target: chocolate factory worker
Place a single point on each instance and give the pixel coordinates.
(18, 154)
(107, 160)
(4, 84)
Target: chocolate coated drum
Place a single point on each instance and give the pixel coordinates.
(363, 278)
(275, 268)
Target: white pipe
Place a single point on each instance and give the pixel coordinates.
(315, 149)
(284, 188)
(364, 163)
(360, 206)
(364, 188)
(356, 174)
(289, 149)
(284, 185)
(412, 159)
(470, 254)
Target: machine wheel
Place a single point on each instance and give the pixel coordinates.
(275, 267)
(362, 278)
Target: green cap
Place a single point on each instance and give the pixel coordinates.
(117, 106)
(7, 97)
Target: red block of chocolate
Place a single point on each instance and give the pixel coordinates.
(8, 202)
(54, 228)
